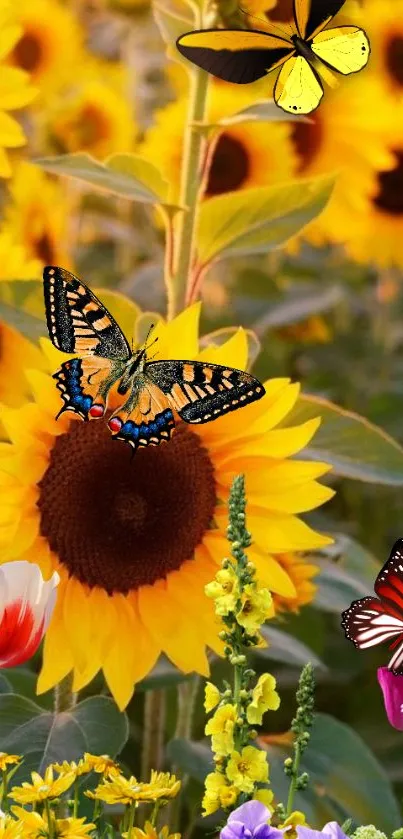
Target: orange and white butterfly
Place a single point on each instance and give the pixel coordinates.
(304, 51)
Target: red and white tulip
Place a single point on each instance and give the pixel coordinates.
(26, 606)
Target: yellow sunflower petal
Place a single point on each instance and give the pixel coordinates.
(279, 443)
(297, 500)
(11, 133)
(179, 338)
(234, 352)
(270, 573)
(278, 533)
(58, 659)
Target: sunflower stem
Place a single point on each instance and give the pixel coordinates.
(154, 732)
(187, 697)
(64, 696)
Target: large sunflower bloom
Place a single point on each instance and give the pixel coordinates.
(384, 24)
(15, 91)
(246, 155)
(38, 215)
(50, 43)
(135, 542)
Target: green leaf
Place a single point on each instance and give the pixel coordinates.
(346, 779)
(5, 685)
(163, 675)
(23, 681)
(296, 307)
(348, 578)
(254, 221)
(264, 110)
(94, 725)
(353, 446)
(195, 759)
(125, 175)
(285, 648)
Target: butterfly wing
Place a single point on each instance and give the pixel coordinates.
(298, 88)
(311, 16)
(345, 48)
(370, 621)
(200, 392)
(84, 384)
(235, 55)
(148, 421)
(77, 320)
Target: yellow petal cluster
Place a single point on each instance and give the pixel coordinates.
(246, 768)
(8, 760)
(221, 728)
(211, 697)
(120, 790)
(150, 832)
(218, 793)
(257, 606)
(264, 698)
(36, 826)
(42, 788)
(224, 590)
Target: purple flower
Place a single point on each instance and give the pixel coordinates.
(250, 820)
(331, 830)
(392, 689)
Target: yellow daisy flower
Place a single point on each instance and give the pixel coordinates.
(211, 697)
(93, 115)
(150, 832)
(36, 826)
(37, 215)
(42, 789)
(246, 155)
(224, 590)
(218, 793)
(257, 606)
(102, 764)
(384, 24)
(120, 790)
(8, 760)
(50, 43)
(10, 829)
(246, 768)
(300, 572)
(264, 698)
(15, 90)
(68, 484)
(221, 728)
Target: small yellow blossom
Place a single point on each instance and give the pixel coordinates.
(248, 767)
(291, 823)
(150, 832)
(100, 763)
(211, 697)
(224, 589)
(218, 793)
(264, 698)
(34, 825)
(10, 829)
(120, 790)
(6, 759)
(66, 767)
(42, 789)
(265, 796)
(221, 729)
(257, 606)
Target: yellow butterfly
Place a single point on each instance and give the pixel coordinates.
(245, 55)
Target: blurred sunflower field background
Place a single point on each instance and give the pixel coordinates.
(252, 240)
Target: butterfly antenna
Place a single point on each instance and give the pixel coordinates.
(260, 20)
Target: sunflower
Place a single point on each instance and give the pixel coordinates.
(15, 262)
(15, 90)
(301, 573)
(94, 115)
(246, 155)
(16, 354)
(384, 25)
(37, 215)
(134, 547)
(50, 44)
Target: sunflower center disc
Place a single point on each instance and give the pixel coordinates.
(394, 58)
(307, 138)
(390, 195)
(120, 522)
(27, 52)
(230, 166)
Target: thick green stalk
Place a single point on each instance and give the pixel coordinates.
(154, 732)
(189, 193)
(293, 783)
(64, 696)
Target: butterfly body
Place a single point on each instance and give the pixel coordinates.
(304, 52)
(152, 392)
(371, 620)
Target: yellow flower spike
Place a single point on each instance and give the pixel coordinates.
(257, 606)
(215, 785)
(224, 590)
(42, 789)
(246, 768)
(211, 697)
(221, 729)
(264, 698)
(7, 760)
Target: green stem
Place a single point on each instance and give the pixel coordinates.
(154, 732)
(132, 813)
(4, 800)
(64, 696)
(293, 783)
(189, 193)
(49, 816)
(75, 805)
(154, 814)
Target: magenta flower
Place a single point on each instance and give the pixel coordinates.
(26, 606)
(331, 830)
(392, 689)
(250, 820)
